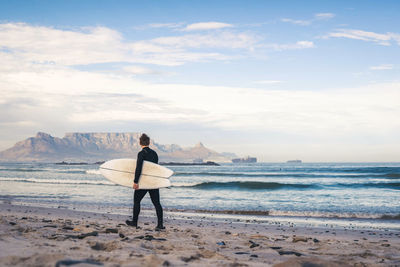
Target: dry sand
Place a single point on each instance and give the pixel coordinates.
(36, 236)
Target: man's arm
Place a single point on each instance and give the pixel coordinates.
(139, 166)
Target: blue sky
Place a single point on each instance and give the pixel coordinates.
(316, 80)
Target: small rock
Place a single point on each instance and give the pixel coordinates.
(82, 236)
(148, 237)
(66, 227)
(195, 236)
(98, 246)
(166, 263)
(222, 243)
(111, 230)
(147, 245)
(241, 253)
(135, 255)
(94, 233)
(299, 239)
(121, 235)
(13, 223)
(227, 233)
(298, 254)
(316, 240)
(110, 246)
(253, 244)
(385, 245)
(254, 256)
(72, 262)
(50, 225)
(191, 258)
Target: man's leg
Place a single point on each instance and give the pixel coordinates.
(155, 198)
(138, 196)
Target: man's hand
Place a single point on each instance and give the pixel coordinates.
(135, 186)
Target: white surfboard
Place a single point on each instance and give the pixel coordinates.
(122, 172)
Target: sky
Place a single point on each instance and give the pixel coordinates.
(279, 80)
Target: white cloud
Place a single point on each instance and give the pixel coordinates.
(55, 97)
(379, 38)
(298, 22)
(39, 88)
(165, 25)
(294, 46)
(382, 67)
(395, 37)
(268, 82)
(201, 26)
(217, 40)
(21, 123)
(67, 47)
(324, 16)
(46, 45)
(75, 97)
(27, 46)
(318, 16)
(140, 70)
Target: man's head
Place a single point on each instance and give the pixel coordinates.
(144, 140)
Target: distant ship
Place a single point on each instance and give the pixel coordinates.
(294, 161)
(245, 160)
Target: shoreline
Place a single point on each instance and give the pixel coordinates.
(40, 236)
(348, 221)
(273, 213)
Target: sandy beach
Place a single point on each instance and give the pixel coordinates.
(37, 236)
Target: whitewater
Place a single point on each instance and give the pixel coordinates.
(312, 190)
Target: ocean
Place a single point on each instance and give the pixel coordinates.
(368, 193)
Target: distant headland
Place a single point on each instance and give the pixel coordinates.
(78, 148)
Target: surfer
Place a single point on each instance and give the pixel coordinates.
(150, 155)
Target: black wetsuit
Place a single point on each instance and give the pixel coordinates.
(149, 155)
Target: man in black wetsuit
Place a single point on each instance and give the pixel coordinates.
(150, 155)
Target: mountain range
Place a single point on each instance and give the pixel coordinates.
(91, 147)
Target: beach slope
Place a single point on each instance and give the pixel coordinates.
(37, 236)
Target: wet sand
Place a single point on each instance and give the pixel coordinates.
(37, 236)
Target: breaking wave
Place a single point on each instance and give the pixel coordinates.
(56, 181)
(252, 185)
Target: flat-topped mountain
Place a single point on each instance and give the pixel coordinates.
(100, 146)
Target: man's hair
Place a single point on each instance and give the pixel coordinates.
(144, 140)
